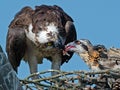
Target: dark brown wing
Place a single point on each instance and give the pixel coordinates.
(15, 47)
(16, 38)
(71, 36)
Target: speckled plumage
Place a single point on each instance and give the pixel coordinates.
(96, 57)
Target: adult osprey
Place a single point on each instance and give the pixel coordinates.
(37, 34)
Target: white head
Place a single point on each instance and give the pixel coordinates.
(79, 46)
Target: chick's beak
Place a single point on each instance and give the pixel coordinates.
(67, 49)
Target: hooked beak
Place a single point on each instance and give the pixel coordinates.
(60, 43)
(68, 47)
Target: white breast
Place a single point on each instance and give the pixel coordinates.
(43, 36)
(50, 34)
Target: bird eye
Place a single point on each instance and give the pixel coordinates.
(77, 42)
(49, 43)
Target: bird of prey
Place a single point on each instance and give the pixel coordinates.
(96, 57)
(39, 33)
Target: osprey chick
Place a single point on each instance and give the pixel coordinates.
(96, 57)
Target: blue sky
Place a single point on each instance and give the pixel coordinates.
(96, 20)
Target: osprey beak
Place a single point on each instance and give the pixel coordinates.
(68, 47)
(59, 43)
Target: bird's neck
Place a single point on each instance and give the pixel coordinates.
(85, 57)
(90, 58)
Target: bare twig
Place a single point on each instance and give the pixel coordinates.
(79, 80)
(69, 80)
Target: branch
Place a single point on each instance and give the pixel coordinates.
(69, 80)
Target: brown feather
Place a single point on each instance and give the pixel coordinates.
(63, 21)
(70, 36)
(16, 38)
(42, 15)
(16, 45)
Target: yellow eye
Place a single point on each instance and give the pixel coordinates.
(49, 44)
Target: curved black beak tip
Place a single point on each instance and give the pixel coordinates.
(61, 47)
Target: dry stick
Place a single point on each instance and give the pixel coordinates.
(76, 75)
(82, 74)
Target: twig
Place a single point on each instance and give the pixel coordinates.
(69, 80)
